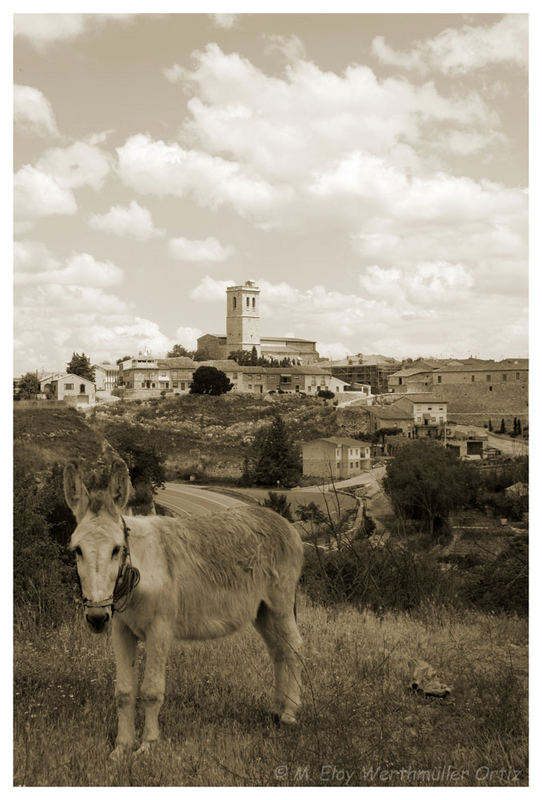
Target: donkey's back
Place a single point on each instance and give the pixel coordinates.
(213, 573)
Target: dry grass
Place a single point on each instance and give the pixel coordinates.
(359, 717)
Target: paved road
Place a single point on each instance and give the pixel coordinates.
(510, 447)
(189, 501)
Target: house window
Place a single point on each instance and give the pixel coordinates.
(234, 376)
(68, 386)
(517, 376)
(234, 303)
(490, 388)
(248, 302)
(183, 385)
(175, 384)
(357, 464)
(400, 381)
(472, 378)
(250, 386)
(504, 377)
(488, 378)
(154, 386)
(82, 388)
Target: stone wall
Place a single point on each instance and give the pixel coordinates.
(475, 401)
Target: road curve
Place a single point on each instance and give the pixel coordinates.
(191, 501)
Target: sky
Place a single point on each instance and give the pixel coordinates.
(369, 172)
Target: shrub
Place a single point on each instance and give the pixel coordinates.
(44, 576)
(279, 503)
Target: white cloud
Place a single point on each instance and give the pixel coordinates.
(187, 337)
(54, 320)
(132, 220)
(158, 168)
(224, 20)
(291, 47)
(43, 30)
(33, 111)
(37, 194)
(334, 351)
(34, 264)
(458, 51)
(209, 249)
(282, 129)
(80, 164)
(210, 290)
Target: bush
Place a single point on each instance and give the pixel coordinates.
(280, 504)
(502, 584)
(44, 577)
(393, 577)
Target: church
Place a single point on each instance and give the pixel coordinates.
(243, 331)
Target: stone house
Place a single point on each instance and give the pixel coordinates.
(73, 390)
(336, 457)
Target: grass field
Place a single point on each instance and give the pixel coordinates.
(360, 724)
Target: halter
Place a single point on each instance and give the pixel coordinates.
(127, 579)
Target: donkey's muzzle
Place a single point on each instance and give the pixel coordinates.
(97, 619)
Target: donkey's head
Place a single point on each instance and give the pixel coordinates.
(99, 541)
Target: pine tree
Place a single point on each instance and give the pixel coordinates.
(490, 426)
(503, 426)
(276, 456)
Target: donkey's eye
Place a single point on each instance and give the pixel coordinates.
(116, 551)
(78, 552)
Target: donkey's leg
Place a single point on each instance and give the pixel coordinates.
(158, 642)
(280, 633)
(124, 645)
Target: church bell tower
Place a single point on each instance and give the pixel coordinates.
(243, 317)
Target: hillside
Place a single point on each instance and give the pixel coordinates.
(207, 432)
(43, 436)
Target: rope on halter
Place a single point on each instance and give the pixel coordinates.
(127, 579)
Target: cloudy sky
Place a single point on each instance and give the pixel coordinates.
(368, 171)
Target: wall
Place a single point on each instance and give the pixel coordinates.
(470, 401)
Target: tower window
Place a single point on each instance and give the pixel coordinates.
(248, 302)
(253, 302)
(234, 303)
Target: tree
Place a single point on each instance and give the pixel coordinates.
(178, 351)
(490, 426)
(80, 365)
(143, 455)
(502, 429)
(124, 358)
(28, 387)
(210, 380)
(277, 460)
(426, 482)
(327, 394)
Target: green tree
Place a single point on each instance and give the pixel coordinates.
(426, 482)
(277, 460)
(28, 387)
(178, 351)
(210, 380)
(80, 365)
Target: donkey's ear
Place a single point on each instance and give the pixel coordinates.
(119, 484)
(74, 490)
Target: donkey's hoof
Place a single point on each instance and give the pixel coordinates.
(288, 719)
(145, 748)
(120, 752)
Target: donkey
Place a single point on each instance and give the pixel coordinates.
(156, 578)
